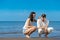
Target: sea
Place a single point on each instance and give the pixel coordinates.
(13, 29)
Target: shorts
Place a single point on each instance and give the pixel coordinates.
(50, 29)
(24, 30)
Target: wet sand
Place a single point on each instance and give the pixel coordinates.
(30, 39)
(20, 38)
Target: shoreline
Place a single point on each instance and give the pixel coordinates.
(30, 39)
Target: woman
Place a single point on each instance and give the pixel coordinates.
(28, 28)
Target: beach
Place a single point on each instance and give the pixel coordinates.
(30, 39)
(12, 30)
(37, 19)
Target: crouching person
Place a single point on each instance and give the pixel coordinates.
(42, 25)
(29, 28)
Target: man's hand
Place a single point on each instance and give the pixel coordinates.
(44, 28)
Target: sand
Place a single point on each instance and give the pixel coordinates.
(30, 39)
(20, 38)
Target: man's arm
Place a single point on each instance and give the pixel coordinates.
(38, 24)
(47, 23)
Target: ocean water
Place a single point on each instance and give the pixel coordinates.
(14, 29)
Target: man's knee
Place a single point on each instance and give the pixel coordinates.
(39, 31)
(50, 29)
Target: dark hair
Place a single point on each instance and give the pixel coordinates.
(43, 15)
(31, 16)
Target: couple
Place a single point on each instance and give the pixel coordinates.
(42, 25)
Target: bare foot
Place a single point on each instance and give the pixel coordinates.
(39, 35)
(27, 36)
(46, 36)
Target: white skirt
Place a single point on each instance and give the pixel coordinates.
(50, 29)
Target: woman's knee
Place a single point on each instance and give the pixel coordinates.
(34, 28)
(25, 33)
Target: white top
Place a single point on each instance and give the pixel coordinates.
(26, 23)
(41, 23)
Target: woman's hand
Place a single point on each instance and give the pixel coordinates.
(29, 26)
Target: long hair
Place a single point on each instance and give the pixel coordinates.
(31, 16)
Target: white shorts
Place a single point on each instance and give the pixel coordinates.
(24, 30)
(50, 29)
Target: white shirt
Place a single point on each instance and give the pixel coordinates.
(26, 23)
(41, 23)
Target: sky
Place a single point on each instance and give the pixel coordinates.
(19, 10)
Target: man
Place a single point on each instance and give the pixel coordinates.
(42, 25)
